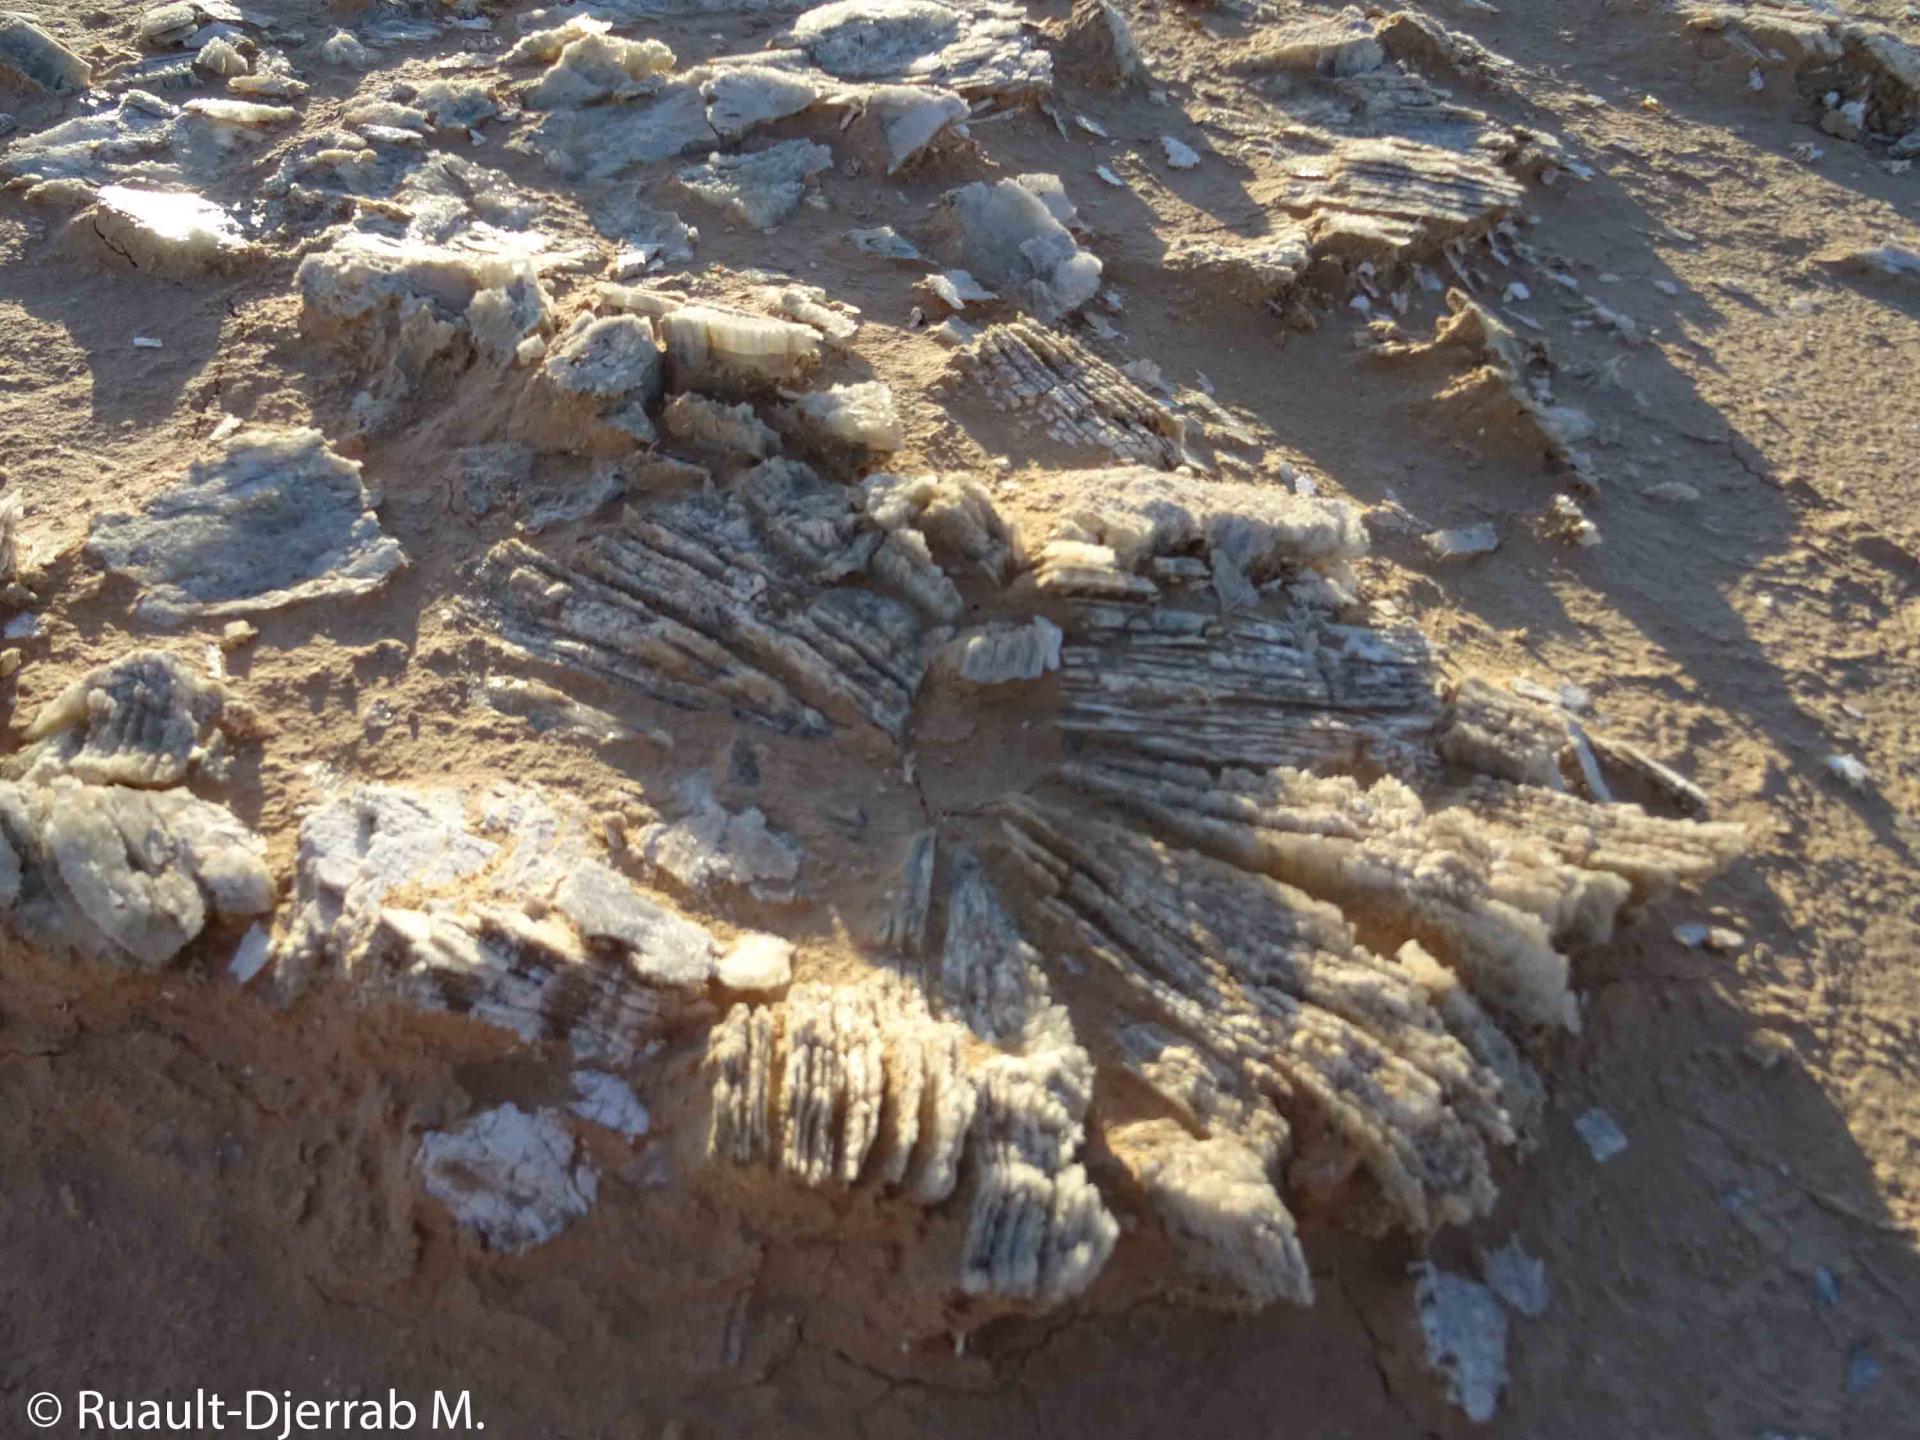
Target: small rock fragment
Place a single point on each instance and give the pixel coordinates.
(954, 333)
(1603, 1136)
(1849, 771)
(1516, 1277)
(1863, 1370)
(1466, 1335)
(1461, 543)
(250, 956)
(884, 241)
(1767, 1048)
(1099, 44)
(608, 1100)
(1567, 523)
(1898, 262)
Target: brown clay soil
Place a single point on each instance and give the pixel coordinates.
(203, 1190)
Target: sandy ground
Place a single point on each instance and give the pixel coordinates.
(204, 1191)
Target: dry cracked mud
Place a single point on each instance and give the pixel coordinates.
(951, 717)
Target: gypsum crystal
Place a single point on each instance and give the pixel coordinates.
(548, 710)
(744, 97)
(174, 233)
(845, 1085)
(903, 933)
(761, 189)
(695, 420)
(145, 720)
(987, 973)
(909, 118)
(1038, 1229)
(595, 388)
(1271, 984)
(1374, 850)
(1492, 732)
(509, 1175)
(1392, 199)
(517, 919)
(860, 417)
(1214, 689)
(1141, 515)
(401, 304)
(594, 67)
(705, 846)
(1226, 1220)
(997, 655)
(1011, 239)
(876, 1083)
(834, 319)
(128, 876)
(1252, 271)
(1474, 876)
(12, 509)
(137, 135)
(1874, 71)
(977, 47)
(949, 518)
(863, 1084)
(694, 603)
(1422, 176)
(274, 518)
(716, 350)
(35, 56)
(536, 979)
(598, 142)
(1079, 398)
